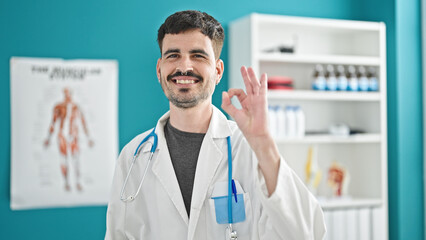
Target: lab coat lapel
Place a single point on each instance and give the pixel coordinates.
(164, 171)
(209, 160)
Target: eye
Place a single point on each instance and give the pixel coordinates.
(199, 56)
(172, 56)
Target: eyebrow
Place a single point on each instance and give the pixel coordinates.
(174, 50)
(199, 51)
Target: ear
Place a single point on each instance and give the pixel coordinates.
(219, 70)
(158, 69)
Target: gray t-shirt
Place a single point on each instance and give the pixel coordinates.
(184, 148)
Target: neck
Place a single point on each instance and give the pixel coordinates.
(194, 120)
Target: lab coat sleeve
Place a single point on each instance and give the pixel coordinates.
(116, 208)
(292, 211)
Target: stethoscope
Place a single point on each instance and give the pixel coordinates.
(135, 156)
(230, 232)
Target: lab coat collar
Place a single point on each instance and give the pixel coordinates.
(218, 127)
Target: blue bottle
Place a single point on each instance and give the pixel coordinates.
(362, 79)
(319, 79)
(342, 80)
(353, 80)
(373, 83)
(331, 83)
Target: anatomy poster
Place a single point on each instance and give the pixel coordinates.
(64, 131)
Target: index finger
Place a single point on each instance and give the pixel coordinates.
(247, 81)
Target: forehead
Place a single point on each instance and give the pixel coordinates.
(191, 39)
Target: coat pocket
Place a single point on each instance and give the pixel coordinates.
(217, 230)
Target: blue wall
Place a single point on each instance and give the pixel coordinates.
(126, 31)
(405, 111)
(410, 131)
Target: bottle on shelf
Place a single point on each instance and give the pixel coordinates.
(290, 120)
(362, 79)
(272, 120)
(331, 82)
(342, 80)
(353, 80)
(281, 122)
(300, 121)
(319, 78)
(373, 84)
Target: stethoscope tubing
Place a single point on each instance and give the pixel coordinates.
(151, 154)
(230, 219)
(135, 155)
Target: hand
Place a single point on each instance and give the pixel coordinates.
(252, 117)
(253, 122)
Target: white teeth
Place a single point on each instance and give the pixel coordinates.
(185, 81)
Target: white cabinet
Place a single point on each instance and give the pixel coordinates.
(364, 155)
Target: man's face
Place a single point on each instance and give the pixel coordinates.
(187, 69)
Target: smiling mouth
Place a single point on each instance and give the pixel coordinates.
(185, 81)
(187, 78)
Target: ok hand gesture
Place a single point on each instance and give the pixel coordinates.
(253, 123)
(252, 117)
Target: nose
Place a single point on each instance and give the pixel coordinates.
(185, 65)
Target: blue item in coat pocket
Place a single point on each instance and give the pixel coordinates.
(221, 209)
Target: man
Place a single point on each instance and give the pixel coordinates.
(67, 113)
(179, 197)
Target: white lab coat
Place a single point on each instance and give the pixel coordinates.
(158, 212)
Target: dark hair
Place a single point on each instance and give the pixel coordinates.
(180, 22)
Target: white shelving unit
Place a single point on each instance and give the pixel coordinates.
(325, 138)
(364, 155)
(321, 59)
(311, 95)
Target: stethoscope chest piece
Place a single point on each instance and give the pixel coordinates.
(230, 233)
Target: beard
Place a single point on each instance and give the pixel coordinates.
(186, 97)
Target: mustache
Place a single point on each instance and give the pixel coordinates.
(179, 73)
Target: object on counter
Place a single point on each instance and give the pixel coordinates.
(339, 129)
(272, 120)
(281, 122)
(312, 171)
(286, 122)
(353, 80)
(285, 45)
(319, 78)
(280, 83)
(331, 82)
(300, 122)
(290, 121)
(281, 48)
(338, 179)
(362, 79)
(342, 80)
(373, 84)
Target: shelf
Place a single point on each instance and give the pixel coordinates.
(319, 59)
(331, 204)
(326, 138)
(322, 95)
(315, 23)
